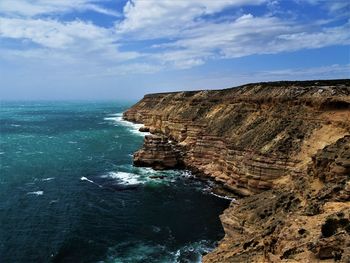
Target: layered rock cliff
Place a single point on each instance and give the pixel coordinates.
(284, 147)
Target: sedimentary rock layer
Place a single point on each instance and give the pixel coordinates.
(158, 153)
(282, 145)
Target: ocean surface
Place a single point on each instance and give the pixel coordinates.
(69, 192)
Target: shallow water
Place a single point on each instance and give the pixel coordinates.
(69, 192)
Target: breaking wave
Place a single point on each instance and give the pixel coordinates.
(117, 118)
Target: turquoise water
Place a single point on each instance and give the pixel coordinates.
(69, 192)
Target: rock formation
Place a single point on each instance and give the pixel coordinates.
(159, 153)
(284, 147)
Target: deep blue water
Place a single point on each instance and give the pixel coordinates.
(69, 192)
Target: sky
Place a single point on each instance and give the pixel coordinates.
(123, 49)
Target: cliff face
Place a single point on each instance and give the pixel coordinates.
(284, 146)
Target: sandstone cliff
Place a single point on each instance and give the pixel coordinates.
(284, 147)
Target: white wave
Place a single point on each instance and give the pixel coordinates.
(15, 125)
(48, 179)
(2, 153)
(116, 114)
(141, 175)
(196, 249)
(72, 142)
(83, 178)
(187, 174)
(223, 197)
(139, 251)
(118, 119)
(36, 193)
(124, 178)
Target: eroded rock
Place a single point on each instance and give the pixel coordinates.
(158, 153)
(283, 146)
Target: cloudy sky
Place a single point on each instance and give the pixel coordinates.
(122, 49)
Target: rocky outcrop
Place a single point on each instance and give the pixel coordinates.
(144, 129)
(284, 146)
(304, 222)
(159, 153)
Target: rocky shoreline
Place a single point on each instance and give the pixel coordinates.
(282, 147)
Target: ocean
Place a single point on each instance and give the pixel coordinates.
(69, 192)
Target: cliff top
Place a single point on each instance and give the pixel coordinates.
(335, 87)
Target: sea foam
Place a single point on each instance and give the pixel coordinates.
(117, 118)
(124, 178)
(36, 193)
(47, 179)
(83, 178)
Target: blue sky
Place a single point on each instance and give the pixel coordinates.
(122, 49)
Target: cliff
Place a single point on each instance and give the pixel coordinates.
(283, 147)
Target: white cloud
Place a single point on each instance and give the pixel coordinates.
(333, 6)
(189, 39)
(52, 42)
(332, 71)
(52, 33)
(31, 8)
(246, 36)
(182, 58)
(154, 18)
(125, 69)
